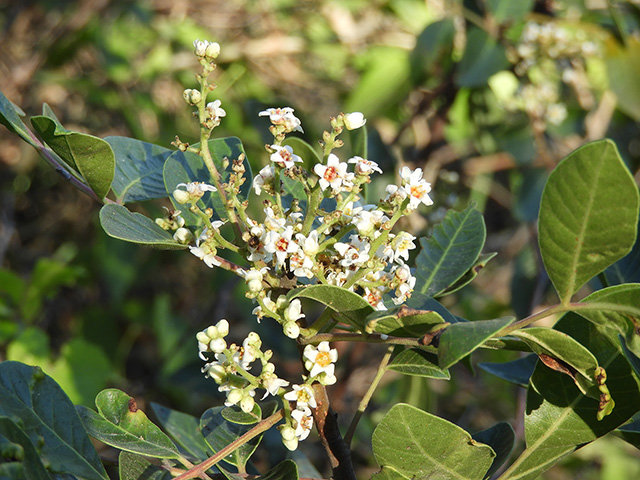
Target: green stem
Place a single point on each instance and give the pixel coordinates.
(367, 396)
(359, 337)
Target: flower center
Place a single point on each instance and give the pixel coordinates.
(417, 191)
(282, 244)
(330, 174)
(323, 359)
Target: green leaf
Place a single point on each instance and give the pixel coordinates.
(560, 346)
(627, 269)
(501, 438)
(460, 339)
(419, 363)
(633, 360)
(10, 117)
(89, 155)
(219, 433)
(184, 429)
(471, 274)
(135, 467)
(388, 473)
(624, 74)
(420, 301)
(483, 56)
(138, 169)
(559, 418)
(33, 467)
(517, 371)
(404, 322)
(615, 310)
(50, 420)
(185, 167)
(350, 306)
(309, 155)
(508, 10)
(121, 424)
(451, 251)
(286, 470)
(433, 46)
(234, 414)
(417, 444)
(118, 222)
(588, 196)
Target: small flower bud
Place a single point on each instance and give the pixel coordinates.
(181, 196)
(235, 396)
(202, 337)
(223, 328)
(192, 96)
(287, 433)
(183, 235)
(291, 330)
(247, 403)
(217, 345)
(212, 51)
(354, 120)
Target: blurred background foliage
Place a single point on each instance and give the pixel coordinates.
(485, 95)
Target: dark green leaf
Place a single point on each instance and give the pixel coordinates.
(219, 433)
(590, 194)
(133, 227)
(630, 432)
(559, 418)
(33, 467)
(309, 155)
(627, 269)
(433, 46)
(359, 142)
(121, 424)
(517, 371)
(501, 438)
(50, 419)
(483, 56)
(417, 444)
(471, 274)
(138, 171)
(451, 251)
(420, 301)
(633, 360)
(404, 322)
(10, 117)
(460, 339)
(135, 467)
(184, 429)
(286, 470)
(90, 155)
(419, 363)
(351, 307)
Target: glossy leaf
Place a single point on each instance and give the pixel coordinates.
(185, 167)
(450, 252)
(219, 433)
(89, 155)
(10, 117)
(418, 444)
(309, 155)
(121, 424)
(350, 306)
(483, 56)
(419, 363)
(420, 301)
(471, 274)
(234, 414)
(615, 310)
(501, 438)
(49, 418)
(460, 339)
(627, 269)
(388, 473)
(561, 347)
(624, 74)
(32, 465)
(138, 169)
(135, 467)
(184, 429)
(588, 196)
(517, 371)
(118, 222)
(404, 322)
(559, 418)
(286, 470)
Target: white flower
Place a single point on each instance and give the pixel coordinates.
(293, 312)
(374, 297)
(291, 330)
(556, 113)
(301, 265)
(254, 278)
(320, 359)
(333, 174)
(192, 193)
(355, 253)
(211, 339)
(304, 421)
(207, 253)
(302, 395)
(367, 222)
(416, 188)
(200, 47)
(364, 167)
(272, 384)
(309, 244)
(281, 244)
(264, 178)
(354, 120)
(214, 111)
(284, 156)
(183, 235)
(289, 438)
(283, 116)
(401, 244)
